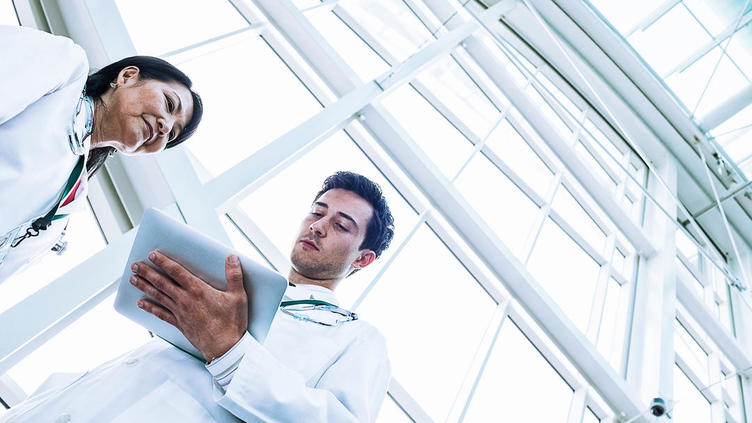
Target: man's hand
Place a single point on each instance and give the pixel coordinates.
(212, 320)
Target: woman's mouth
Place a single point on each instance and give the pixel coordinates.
(149, 131)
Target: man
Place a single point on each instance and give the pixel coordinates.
(313, 367)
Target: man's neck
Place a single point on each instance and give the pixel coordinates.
(296, 278)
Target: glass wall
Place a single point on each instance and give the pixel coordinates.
(463, 342)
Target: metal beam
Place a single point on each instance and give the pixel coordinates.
(715, 42)
(713, 204)
(718, 333)
(726, 110)
(489, 62)
(61, 302)
(459, 214)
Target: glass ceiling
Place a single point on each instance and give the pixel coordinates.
(702, 50)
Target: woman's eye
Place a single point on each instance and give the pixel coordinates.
(169, 104)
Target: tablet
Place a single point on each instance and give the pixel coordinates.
(205, 258)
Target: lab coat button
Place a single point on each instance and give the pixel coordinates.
(63, 418)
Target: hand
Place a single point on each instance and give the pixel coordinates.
(212, 320)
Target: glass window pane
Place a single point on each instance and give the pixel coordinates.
(691, 406)
(73, 349)
(514, 382)
(684, 274)
(611, 337)
(429, 129)
(391, 413)
(409, 305)
(565, 271)
(625, 15)
(281, 222)
(577, 217)
(84, 238)
(512, 149)
(356, 53)
(242, 243)
(715, 15)
(669, 40)
(595, 166)
(504, 208)
(392, 23)
(686, 346)
(173, 24)
(244, 112)
(7, 13)
(738, 49)
(453, 87)
(590, 417)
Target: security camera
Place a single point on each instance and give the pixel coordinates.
(658, 407)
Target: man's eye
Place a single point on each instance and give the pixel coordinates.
(316, 214)
(341, 227)
(172, 135)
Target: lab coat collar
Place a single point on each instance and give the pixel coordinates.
(307, 292)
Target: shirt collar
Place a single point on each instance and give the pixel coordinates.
(308, 292)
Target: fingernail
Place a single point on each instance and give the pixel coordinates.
(140, 304)
(134, 267)
(233, 259)
(152, 256)
(133, 279)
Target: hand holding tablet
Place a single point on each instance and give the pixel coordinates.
(187, 260)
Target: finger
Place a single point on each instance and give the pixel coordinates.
(157, 310)
(149, 289)
(233, 274)
(156, 279)
(173, 269)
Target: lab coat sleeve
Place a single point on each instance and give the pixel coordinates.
(35, 64)
(351, 390)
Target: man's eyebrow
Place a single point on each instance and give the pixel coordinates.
(345, 215)
(348, 217)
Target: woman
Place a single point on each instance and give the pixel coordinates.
(58, 126)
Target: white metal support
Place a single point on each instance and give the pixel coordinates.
(495, 69)
(63, 301)
(651, 352)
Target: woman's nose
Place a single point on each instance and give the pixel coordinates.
(164, 126)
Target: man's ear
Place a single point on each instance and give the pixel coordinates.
(365, 257)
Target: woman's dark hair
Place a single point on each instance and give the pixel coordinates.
(149, 68)
(380, 229)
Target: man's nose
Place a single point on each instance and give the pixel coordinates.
(317, 228)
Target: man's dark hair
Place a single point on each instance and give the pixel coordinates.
(380, 229)
(149, 68)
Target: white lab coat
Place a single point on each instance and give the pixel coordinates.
(41, 79)
(304, 372)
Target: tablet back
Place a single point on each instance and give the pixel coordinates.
(205, 258)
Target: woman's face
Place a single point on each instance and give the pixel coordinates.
(140, 116)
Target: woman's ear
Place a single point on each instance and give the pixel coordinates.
(129, 75)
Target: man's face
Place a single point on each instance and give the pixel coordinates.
(327, 246)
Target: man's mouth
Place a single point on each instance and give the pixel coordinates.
(309, 244)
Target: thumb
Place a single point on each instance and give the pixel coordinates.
(233, 274)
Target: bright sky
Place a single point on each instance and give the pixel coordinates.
(432, 311)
